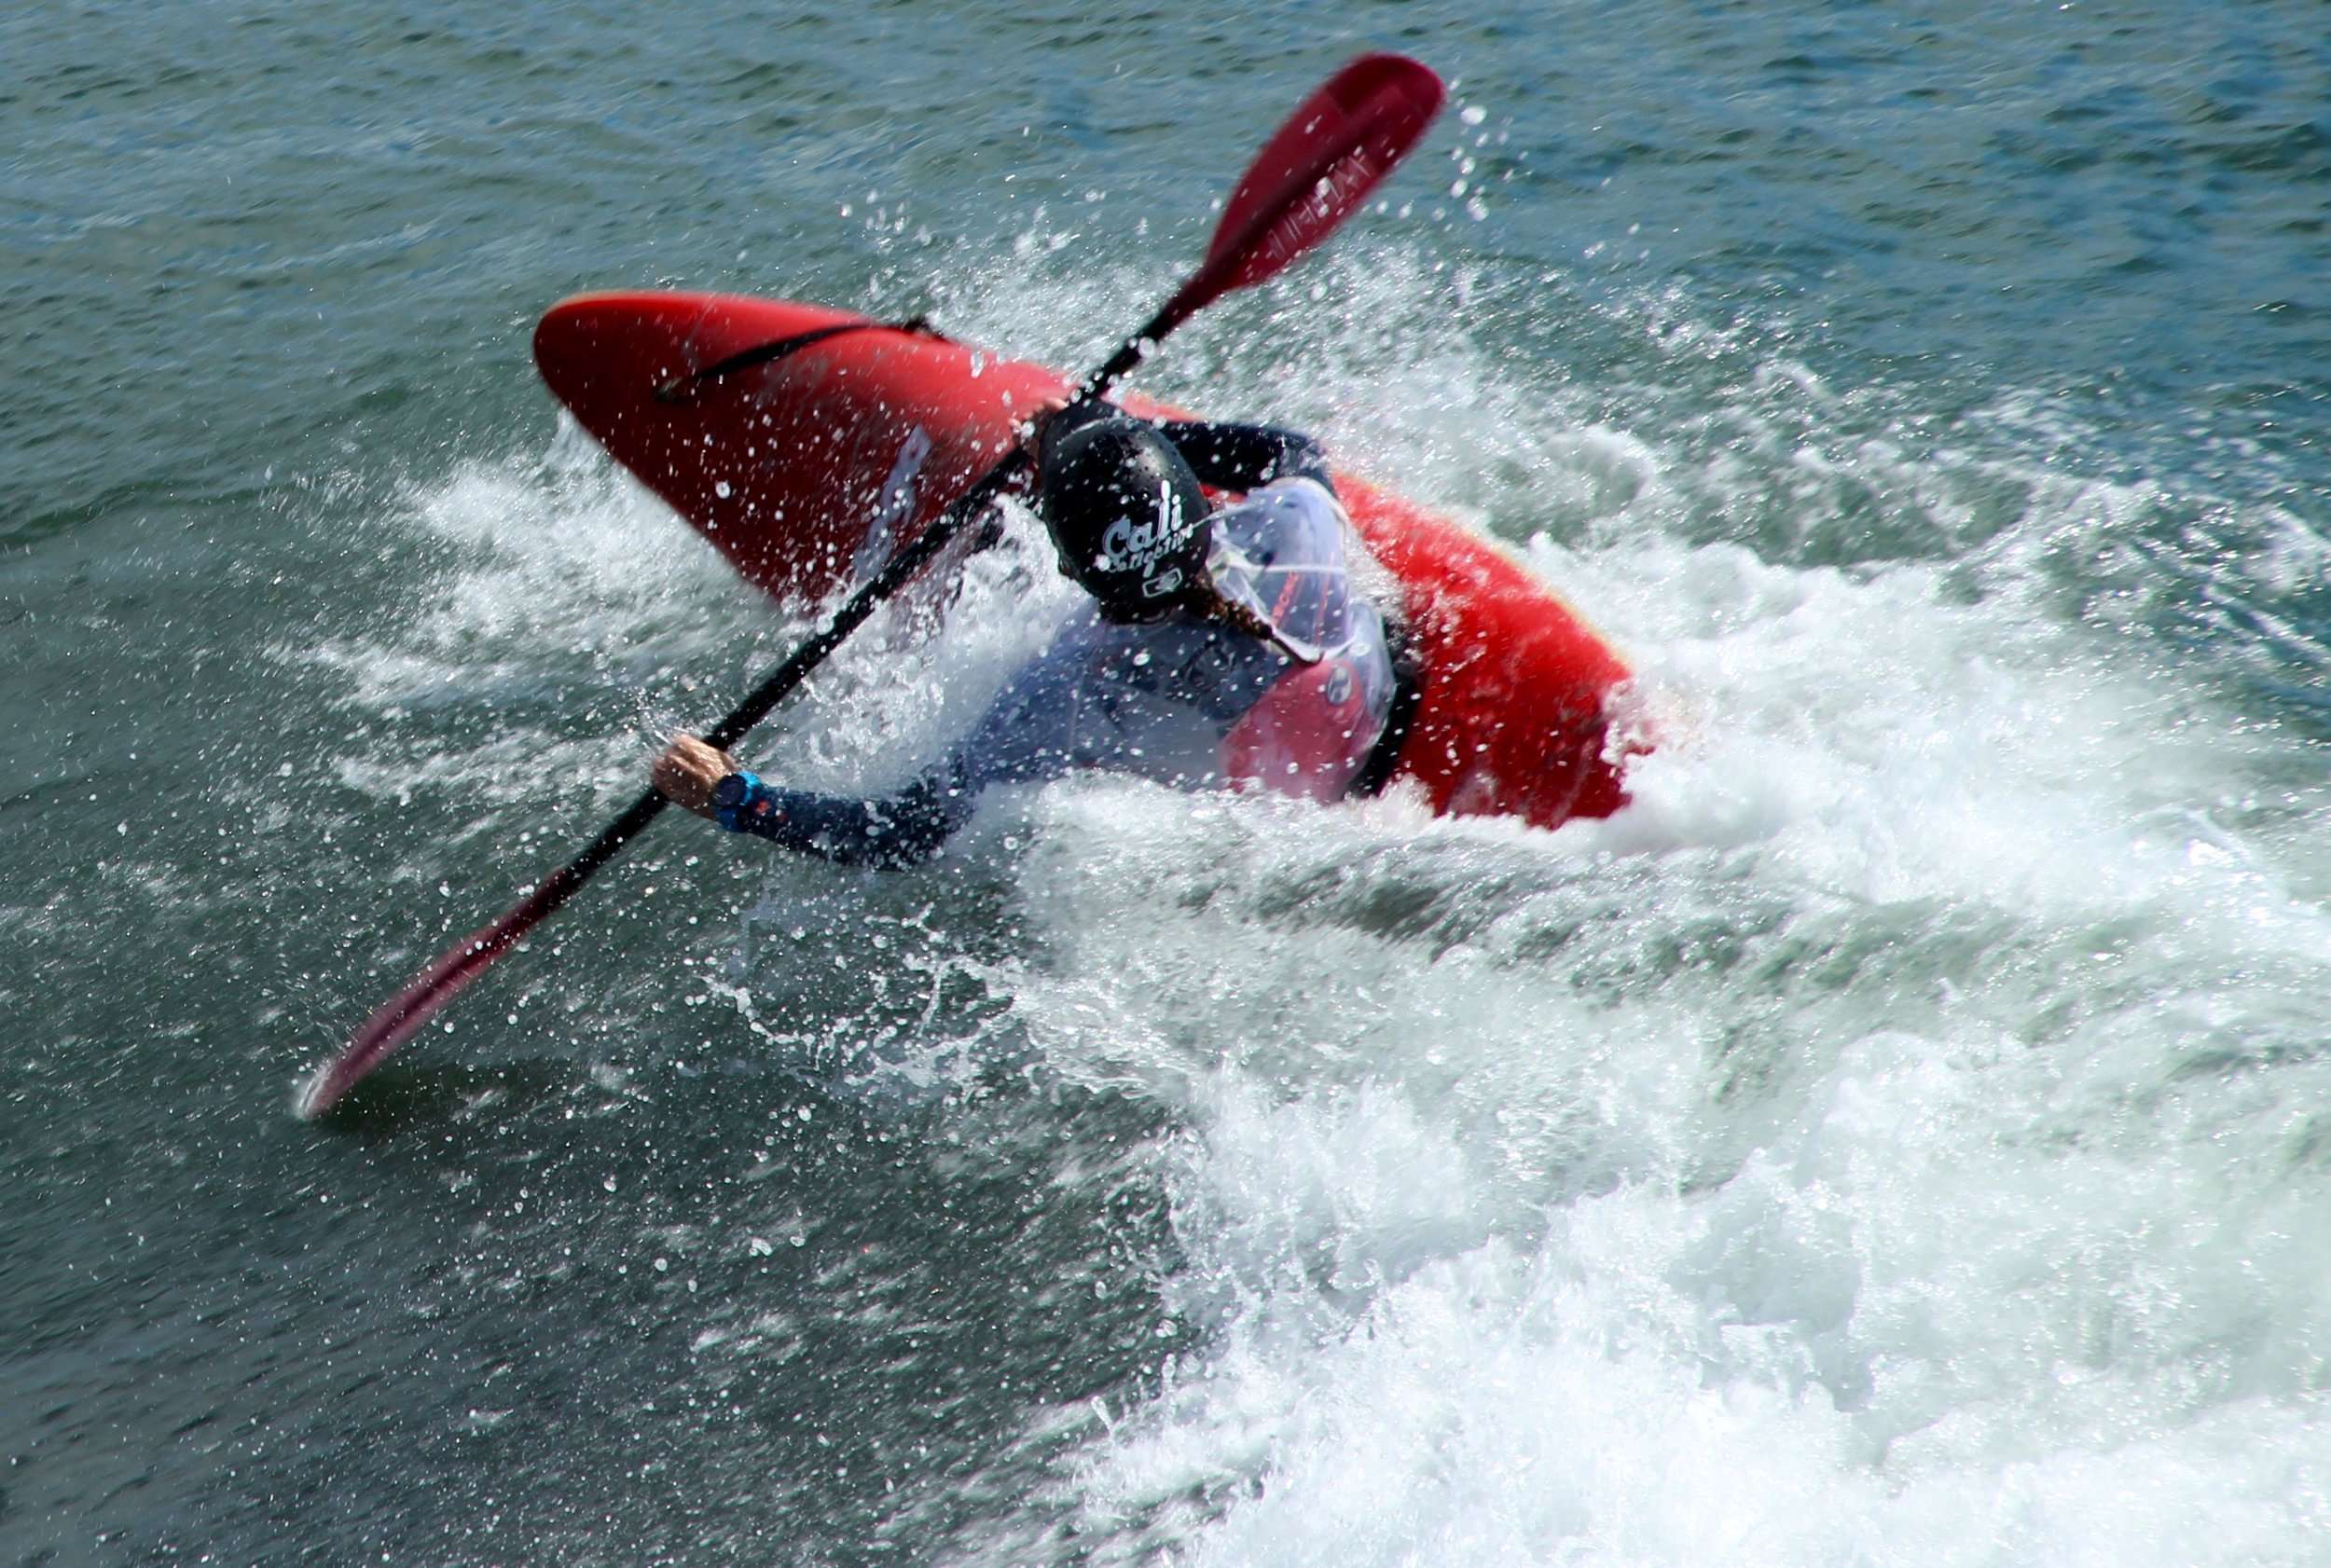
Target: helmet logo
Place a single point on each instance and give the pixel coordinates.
(1139, 546)
(1133, 545)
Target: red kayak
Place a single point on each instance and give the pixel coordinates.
(806, 443)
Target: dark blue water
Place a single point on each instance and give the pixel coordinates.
(1898, 1138)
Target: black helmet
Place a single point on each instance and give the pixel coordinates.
(1126, 515)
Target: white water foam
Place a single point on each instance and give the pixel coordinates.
(546, 561)
(1887, 1144)
(1892, 1140)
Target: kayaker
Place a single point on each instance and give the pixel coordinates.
(1223, 647)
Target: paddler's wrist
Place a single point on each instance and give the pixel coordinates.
(739, 797)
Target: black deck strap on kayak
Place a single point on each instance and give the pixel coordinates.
(679, 386)
(1408, 694)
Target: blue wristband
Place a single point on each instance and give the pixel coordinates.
(734, 797)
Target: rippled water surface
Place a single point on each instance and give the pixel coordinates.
(1903, 1136)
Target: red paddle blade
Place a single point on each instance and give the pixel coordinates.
(405, 1015)
(1331, 152)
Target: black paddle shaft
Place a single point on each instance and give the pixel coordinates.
(902, 565)
(763, 699)
(907, 562)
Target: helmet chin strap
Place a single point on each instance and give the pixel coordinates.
(1205, 602)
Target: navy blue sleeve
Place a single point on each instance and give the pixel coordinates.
(1242, 457)
(900, 829)
(1228, 457)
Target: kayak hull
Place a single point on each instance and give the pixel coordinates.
(806, 469)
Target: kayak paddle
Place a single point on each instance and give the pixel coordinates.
(1310, 176)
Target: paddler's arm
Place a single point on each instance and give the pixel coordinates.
(1228, 457)
(1026, 735)
(1243, 456)
(900, 829)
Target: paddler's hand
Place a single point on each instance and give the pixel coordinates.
(1031, 430)
(687, 771)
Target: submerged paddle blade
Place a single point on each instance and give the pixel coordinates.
(1331, 152)
(406, 1013)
